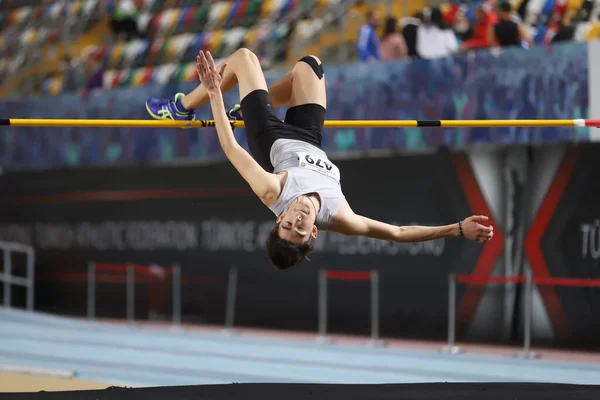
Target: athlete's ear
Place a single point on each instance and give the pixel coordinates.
(315, 232)
(280, 218)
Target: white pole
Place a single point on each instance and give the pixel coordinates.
(30, 279)
(527, 353)
(7, 278)
(231, 297)
(375, 341)
(130, 294)
(451, 347)
(322, 311)
(91, 291)
(176, 289)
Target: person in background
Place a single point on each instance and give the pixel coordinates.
(74, 79)
(434, 38)
(594, 31)
(393, 46)
(410, 27)
(558, 30)
(461, 26)
(483, 34)
(508, 32)
(489, 7)
(123, 20)
(94, 68)
(368, 45)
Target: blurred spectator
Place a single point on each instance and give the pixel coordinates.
(561, 7)
(461, 25)
(123, 19)
(369, 47)
(488, 7)
(594, 31)
(393, 46)
(558, 31)
(483, 33)
(585, 12)
(434, 38)
(409, 31)
(94, 69)
(73, 75)
(509, 32)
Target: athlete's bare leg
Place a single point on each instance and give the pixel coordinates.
(243, 68)
(307, 87)
(280, 91)
(299, 86)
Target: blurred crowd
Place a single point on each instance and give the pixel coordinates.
(455, 28)
(142, 42)
(86, 73)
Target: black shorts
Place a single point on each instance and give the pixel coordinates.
(263, 128)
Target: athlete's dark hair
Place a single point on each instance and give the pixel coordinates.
(285, 254)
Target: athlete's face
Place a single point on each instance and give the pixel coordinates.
(297, 224)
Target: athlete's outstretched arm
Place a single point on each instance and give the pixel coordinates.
(266, 186)
(348, 223)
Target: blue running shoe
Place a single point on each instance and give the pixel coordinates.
(235, 114)
(166, 109)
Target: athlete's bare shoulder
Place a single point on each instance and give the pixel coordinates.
(270, 199)
(342, 219)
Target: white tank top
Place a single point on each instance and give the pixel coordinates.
(309, 171)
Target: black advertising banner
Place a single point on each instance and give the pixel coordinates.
(206, 219)
(569, 246)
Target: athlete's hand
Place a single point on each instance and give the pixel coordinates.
(209, 75)
(473, 229)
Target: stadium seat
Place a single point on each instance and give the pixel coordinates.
(116, 54)
(252, 12)
(593, 32)
(215, 42)
(218, 14)
(176, 29)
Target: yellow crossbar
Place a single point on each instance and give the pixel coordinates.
(123, 123)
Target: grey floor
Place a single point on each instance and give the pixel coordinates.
(124, 355)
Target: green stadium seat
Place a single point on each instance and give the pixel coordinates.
(252, 13)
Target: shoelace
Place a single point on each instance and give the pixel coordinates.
(164, 112)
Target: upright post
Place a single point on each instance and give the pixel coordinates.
(526, 353)
(91, 306)
(375, 341)
(7, 279)
(30, 279)
(451, 347)
(130, 293)
(230, 301)
(322, 336)
(176, 292)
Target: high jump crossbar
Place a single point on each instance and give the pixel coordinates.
(123, 123)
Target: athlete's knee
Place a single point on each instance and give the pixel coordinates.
(316, 58)
(245, 54)
(314, 63)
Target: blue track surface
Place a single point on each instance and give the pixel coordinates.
(125, 355)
